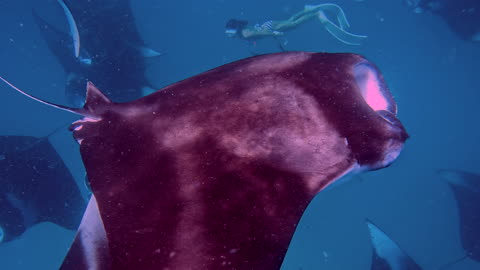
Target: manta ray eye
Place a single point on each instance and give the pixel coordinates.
(373, 88)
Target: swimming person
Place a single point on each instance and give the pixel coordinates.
(239, 28)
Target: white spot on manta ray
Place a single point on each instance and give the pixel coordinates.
(281, 62)
(371, 88)
(234, 250)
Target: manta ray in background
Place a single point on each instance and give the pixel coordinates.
(466, 189)
(103, 45)
(35, 186)
(387, 255)
(462, 16)
(215, 171)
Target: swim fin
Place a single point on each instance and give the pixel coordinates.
(338, 32)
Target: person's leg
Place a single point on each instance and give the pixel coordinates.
(311, 11)
(336, 9)
(294, 20)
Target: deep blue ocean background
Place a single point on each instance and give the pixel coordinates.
(433, 75)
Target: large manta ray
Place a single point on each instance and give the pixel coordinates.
(103, 45)
(466, 189)
(35, 186)
(215, 171)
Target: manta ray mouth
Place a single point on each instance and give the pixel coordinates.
(394, 149)
(78, 125)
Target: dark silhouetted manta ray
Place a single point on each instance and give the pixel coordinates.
(35, 186)
(102, 45)
(466, 189)
(215, 171)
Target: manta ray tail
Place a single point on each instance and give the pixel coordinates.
(95, 100)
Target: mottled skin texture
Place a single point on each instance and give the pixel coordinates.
(214, 172)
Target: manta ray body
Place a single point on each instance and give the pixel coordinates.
(215, 171)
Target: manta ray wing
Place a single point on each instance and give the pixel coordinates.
(466, 189)
(216, 170)
(36, 186)
(387, 255)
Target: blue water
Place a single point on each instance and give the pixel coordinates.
(431, 72)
